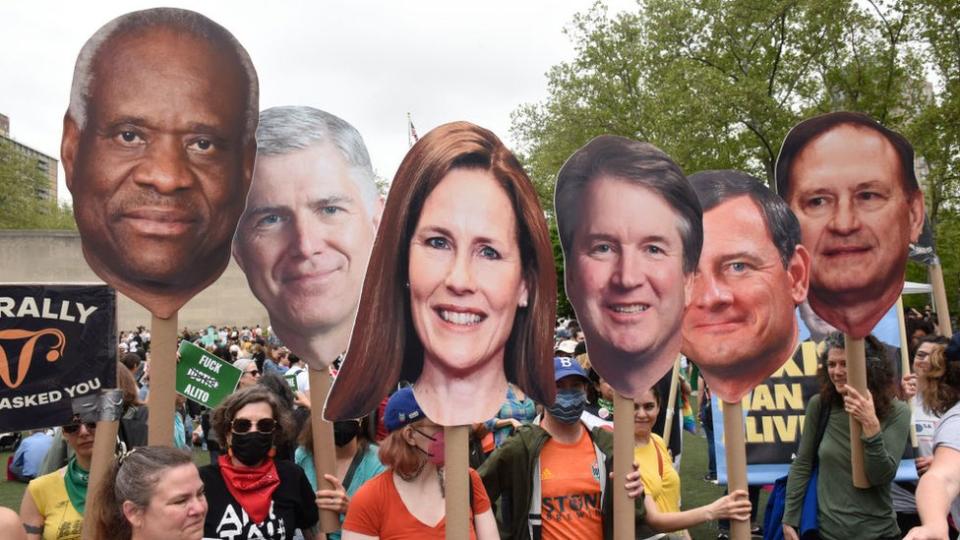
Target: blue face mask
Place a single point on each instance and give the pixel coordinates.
(569, 405)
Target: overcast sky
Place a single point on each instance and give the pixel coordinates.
(368, 62)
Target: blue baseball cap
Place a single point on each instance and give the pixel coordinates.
(952, 352)
(402, 409)
(564, 367)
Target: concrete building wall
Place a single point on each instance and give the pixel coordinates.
(56, 257)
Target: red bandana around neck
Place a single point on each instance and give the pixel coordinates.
(252, 487)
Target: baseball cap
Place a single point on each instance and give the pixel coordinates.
(568, 346)
(952, 352)
(402, 409)
(564, 367)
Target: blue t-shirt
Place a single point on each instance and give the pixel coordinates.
(29, 455)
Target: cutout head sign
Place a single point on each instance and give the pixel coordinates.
(305, 236)
(631, 230)
(741, 324)
(158, 148)
(461, 293)
(851, 183)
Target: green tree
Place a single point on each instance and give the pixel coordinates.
(23, 204)
(718, 83)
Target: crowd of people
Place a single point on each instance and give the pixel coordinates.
(261, 482)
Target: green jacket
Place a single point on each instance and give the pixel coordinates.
(508, 475)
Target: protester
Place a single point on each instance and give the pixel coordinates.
(357, 462)
(53, 504)
(940, 484)
(134, 413)
(248, 366)
(407, 500)
(573, 466)
(845, 511)
(925, 423)
(661, 481)
(151, 493)
(29, 455)
(250, 495)
(516, 410)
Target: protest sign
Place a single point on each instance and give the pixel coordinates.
(57, 343)
(203, 377)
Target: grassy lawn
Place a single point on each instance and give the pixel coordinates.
(695, 491)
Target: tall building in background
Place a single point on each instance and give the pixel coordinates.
(45, 164)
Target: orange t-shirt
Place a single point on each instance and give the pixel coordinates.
(570, 485)
(377, 510)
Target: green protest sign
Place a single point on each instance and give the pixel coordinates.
(203, 377)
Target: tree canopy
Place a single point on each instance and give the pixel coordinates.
(717, 84)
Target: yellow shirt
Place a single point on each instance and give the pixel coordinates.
(61, 521)
(660, 480)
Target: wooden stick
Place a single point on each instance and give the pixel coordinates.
(324, 453)
(623, 444)
(857, 378)
(735, 444)
(671, 401)
(940, 300)
(905, 364)
(104, 446)
(162, 398)
(457, 482)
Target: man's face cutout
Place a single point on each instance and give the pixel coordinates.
(741, 323)
(625, 279)
(857, 219)
(160, 169)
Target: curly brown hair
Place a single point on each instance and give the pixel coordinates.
(941, 385)
(879, 374)
(222, 416)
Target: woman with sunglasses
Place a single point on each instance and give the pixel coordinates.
(53, 505)
(249, 494)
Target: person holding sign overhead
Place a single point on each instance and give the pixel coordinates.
(844, 511)
(407, 500)
(463, 297)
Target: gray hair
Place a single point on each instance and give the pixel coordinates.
(172, 18)
(284, 130)
(716, 187)
(133, 477)
(637, 163)
(242, 363)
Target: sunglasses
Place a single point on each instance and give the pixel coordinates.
(254, 372)
(75, 428)
(264, 425)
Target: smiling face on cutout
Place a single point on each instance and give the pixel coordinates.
(465, 274)
(626, 281)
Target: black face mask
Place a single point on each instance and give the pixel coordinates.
(345, 431)
(251, 448)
